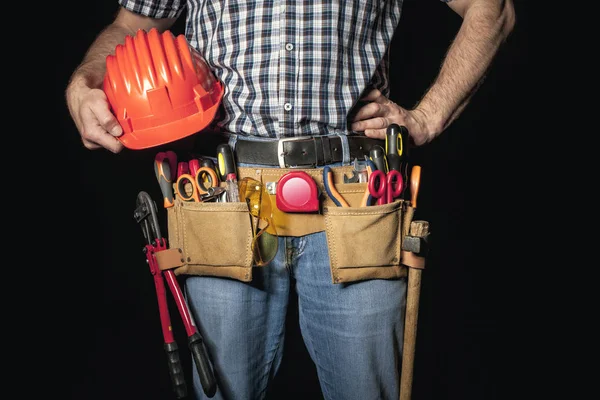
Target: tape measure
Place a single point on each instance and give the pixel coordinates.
(297, 192)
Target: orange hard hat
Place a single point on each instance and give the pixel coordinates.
(160, 89)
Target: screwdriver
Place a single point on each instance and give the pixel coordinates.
(394, 148)
(227, 171)
(208, 163)
(377, 155)
(165, 164)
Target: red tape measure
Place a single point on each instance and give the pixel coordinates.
(297, 192)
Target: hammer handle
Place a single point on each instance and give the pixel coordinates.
(418, 229)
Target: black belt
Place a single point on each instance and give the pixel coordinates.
(305, 151)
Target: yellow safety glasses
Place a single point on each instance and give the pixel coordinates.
(264, 242)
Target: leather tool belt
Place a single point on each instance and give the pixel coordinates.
(302, 152)
(364, 242)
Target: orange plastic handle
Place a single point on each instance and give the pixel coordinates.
(415, 181)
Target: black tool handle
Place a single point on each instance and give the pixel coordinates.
(226, 161)
(163, 173)
(176, 370)
(207, 162)
(377, 155)
(203, 364)
(393, 147)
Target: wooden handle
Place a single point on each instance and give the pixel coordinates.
(419, 229)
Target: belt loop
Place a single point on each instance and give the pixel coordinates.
(345, 148)
(319, 157)
(327, 157)
(232, 140)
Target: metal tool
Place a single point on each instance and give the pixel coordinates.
(359, 173)
(228, 171)
(332, 192)
(146, 215)
(367, 199)
(385, 187)
(193, 186)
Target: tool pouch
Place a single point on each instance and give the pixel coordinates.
(213, 239)
(365, 242)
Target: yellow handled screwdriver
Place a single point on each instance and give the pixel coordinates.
(228, 171)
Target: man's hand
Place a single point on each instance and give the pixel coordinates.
(91, 113)
(380, 112)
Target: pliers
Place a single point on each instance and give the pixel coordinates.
(146, 215)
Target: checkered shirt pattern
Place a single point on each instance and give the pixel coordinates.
(290, 68)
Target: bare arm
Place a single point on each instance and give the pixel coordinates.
(486, 24)
(85, 98)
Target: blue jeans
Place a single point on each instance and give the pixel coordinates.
(353, 332)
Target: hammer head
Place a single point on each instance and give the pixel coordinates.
(416, 244)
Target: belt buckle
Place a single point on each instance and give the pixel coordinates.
(281, 156)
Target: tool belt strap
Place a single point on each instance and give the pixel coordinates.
(412, 260)
(300, 224)
(169, 258)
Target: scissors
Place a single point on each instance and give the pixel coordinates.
(385, 187)
(203, 181)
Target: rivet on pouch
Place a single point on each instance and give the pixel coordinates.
(189, 259)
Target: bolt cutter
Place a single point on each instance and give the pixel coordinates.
(146, 215)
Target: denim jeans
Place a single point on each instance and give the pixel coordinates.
(353, 332)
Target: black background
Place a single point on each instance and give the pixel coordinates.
(107, 300)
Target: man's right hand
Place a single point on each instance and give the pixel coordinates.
(91, 113)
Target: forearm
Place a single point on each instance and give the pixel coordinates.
(483, 30)
(93, 66)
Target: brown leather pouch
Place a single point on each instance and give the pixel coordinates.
(214, 239)
(365, 242)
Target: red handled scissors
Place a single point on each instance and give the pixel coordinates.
(385, 187)
(194, 182)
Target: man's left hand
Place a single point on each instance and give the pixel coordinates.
(380, 112)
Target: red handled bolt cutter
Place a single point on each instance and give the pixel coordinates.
(146, 215)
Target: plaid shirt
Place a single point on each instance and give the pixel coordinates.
(290, 68)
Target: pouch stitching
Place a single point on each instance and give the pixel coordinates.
(331, 241)
(331, 246)
(205, 208)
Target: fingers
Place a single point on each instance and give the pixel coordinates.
(100, 128)
(373, 95)
(95, 136)
(375, 133)
(371, 110)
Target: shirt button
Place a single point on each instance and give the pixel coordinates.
(282, 8)
(289, 47)
(287, 106)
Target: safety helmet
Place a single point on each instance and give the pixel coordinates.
(160, 89)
